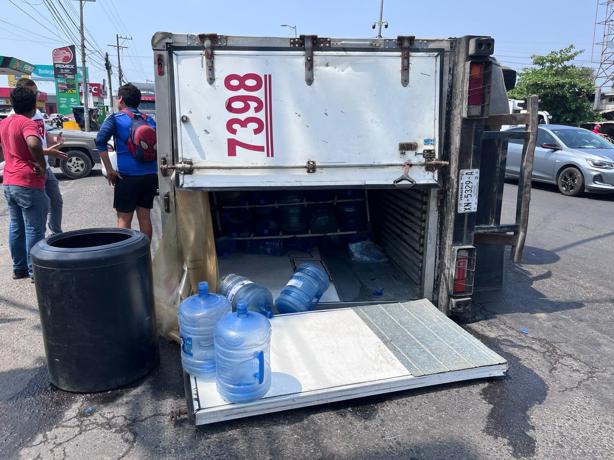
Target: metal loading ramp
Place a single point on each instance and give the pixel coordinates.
(324, 356)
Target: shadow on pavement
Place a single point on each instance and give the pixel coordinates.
(518, 294)
(62, 177)
(538, 256)
(34, 409)
(511, 399)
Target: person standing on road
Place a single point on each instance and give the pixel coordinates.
(52, 186)
(136, 177)
(24, 179)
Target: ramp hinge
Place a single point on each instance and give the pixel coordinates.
(209, 41)
(183, 167)
(405, 43)
(167, 202)
(310, 43)
(311, 166)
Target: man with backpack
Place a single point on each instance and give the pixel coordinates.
(136, 177)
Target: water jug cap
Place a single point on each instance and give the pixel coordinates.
(203, 288)
(241, 308)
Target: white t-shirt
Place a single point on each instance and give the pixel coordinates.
(42, 129)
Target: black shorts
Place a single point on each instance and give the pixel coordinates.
(135, 191)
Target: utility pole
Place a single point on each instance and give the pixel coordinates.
(107, 65)
(120, 73)
(604, 45)
(381, 21)
(86, 110)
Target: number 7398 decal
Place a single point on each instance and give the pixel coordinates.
(250, 115)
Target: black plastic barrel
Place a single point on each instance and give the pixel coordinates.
(95, 296)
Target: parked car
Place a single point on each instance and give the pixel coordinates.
(575, 159)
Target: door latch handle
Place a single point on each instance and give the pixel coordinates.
(405, 177)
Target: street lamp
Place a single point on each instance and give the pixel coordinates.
(381, 21)
(289, 27)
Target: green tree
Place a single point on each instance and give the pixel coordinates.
(563, 88)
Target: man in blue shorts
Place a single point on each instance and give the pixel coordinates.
(136, 177)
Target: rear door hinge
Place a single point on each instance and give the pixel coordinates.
(405, 42)
(209, 41)
(183, 167)
(310, 43)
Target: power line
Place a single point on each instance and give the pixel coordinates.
(91, 40)
(66, 29)
(32, 17)
(28, 40)
(26, 32)
(120, 75)
(115, 18)
(112, 19)
(39, 13)
(119, 18)
(62, 27)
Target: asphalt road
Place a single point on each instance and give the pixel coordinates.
(552, 322)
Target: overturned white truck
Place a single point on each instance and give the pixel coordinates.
(399, 140)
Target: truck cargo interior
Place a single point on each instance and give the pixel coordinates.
(371, 242)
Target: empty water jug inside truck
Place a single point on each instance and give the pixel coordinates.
(318, 226)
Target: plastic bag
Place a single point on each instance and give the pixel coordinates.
(367, 251)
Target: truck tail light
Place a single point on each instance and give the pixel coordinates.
(464, 271)
(475, 93)
(160, 64)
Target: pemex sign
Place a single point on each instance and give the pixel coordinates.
(65, 71)
(64, 61)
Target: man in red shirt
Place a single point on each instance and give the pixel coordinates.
(24, 179)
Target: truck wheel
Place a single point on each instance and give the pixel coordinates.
(77, 165)
(570, 181)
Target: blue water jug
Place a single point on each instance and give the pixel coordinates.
(243, 355)
(322, 219)
(266, 226)
(236, 222)
(198, 315)
(351, 216)
(303, 291)
(237, 288)
(293, 219)
(317, 273)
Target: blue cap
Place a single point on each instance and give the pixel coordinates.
(241, 308)
(203, 288)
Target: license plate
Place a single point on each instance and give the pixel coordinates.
(468, 190)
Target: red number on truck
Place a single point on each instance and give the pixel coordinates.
(249, 104)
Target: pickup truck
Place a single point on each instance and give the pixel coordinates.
(81, 150)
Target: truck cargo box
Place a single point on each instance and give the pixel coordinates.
(393, 143)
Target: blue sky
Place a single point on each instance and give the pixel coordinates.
(520, 27)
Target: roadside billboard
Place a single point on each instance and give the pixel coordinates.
(43, 72)
(65, 72)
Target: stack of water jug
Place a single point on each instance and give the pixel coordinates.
(235, 346)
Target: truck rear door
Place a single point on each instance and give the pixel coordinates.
(310, 112)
